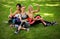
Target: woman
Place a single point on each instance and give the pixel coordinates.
(37, 19)
(15, 17)
(24, 24)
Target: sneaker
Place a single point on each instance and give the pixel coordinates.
(47, 25)
(53, 23)
(16, 32)
(27, 29)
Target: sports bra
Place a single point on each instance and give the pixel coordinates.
(24, 16)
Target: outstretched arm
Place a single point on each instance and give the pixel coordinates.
(38, 9)
(11, 14)
(14, 13)
(10, 11)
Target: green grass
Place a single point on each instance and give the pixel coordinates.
(37, 31)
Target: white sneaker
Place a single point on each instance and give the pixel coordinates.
(16, 32)
(27, 29)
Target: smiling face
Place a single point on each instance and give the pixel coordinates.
(23, 8)
(30, 8)
(18, 6)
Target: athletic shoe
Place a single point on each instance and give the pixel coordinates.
(27, 29)
(53, 23)
(48, 24)
(16, 32)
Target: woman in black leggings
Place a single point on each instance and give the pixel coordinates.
(37, 21)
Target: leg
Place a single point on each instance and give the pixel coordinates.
(23, 28)
(18, 26)
(38, 17)
(27, 25)
(41, 20)
(47, 22)
(17, 30)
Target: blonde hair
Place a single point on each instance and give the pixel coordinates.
(30, 6)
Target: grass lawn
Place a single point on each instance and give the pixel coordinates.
(49, 10)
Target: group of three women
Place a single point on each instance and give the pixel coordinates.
(22, 19)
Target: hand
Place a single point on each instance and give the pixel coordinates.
(10, 9)
(37, 4)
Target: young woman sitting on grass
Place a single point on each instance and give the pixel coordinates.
(24, 23)
(14, 18)
(37, 19)
(18, 19)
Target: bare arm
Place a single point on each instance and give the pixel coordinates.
(14, 13)
(10, 11)
(38, 9)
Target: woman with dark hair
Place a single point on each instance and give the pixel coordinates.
(15, 17)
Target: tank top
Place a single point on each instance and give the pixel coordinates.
(24, 16)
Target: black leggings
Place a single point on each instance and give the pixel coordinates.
(39, 21)
(25, 24)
